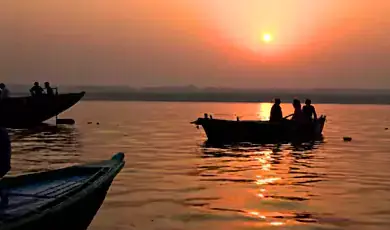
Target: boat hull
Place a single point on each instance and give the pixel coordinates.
(227, 131)
(75, 217)
(24, 112)
(73, 208)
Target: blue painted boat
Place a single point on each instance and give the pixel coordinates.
(63, 199)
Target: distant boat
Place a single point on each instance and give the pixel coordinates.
(63, 199)
(227, 131)
(24, 112)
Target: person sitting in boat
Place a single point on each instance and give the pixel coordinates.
(49, 89)
(4, 91)
(298, 115)
(36, 90)
(276, 111)
(309, 111)
(5, 161)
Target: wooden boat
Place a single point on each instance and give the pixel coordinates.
(226, 131)
(63, 199)
(24, 112)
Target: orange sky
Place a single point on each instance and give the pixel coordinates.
(328, 43)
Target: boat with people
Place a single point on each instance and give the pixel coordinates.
(61, 199)
(24, 112)
(257, 131)
(221, 130)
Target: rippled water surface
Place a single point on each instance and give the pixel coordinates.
(173, 181)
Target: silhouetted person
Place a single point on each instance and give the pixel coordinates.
(49, 89)
(276, 112)
(4, 91)
(5, 162)
(298, 115)
(309, 111)
(36, 90)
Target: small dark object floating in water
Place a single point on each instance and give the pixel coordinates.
(89, 122)
(347, 138)
(386, 128)
(59, 199)
(66, 121)
(97, 123)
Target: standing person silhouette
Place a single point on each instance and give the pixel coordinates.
(5, 162)
(5, 93)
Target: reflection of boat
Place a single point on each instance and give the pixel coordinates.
(54, 138)
(60, 199)
(224, 131)
(21, 112)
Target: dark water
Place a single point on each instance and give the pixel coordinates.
(171, 181)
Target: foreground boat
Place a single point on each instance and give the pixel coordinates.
(64, 199)
(23, 112)
(226, 131)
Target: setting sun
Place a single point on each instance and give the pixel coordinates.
(267, 38)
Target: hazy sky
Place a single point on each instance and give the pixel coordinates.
(315, 43)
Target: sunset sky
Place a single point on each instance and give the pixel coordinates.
(227, 43)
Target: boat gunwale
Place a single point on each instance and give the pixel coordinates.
(321, 119)
(79, 193)
(82, 93)
(212, 128)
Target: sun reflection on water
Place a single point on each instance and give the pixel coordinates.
(257, 214)
(269, 174)
(264, 111)
(276, 223)
(267, 180)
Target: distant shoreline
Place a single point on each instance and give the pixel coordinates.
(210, 101)
(222, 95)
(239, 98)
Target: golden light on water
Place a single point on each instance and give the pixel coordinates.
(276, 223)
(256, 214)
(267, 180)
(264, 111)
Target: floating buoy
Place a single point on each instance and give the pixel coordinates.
(386, 128)
(347, 138)
(97, 123)
(66, 121)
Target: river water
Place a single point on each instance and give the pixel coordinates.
(173, 181)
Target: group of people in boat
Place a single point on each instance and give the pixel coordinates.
(36, 90)
(304, 114)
